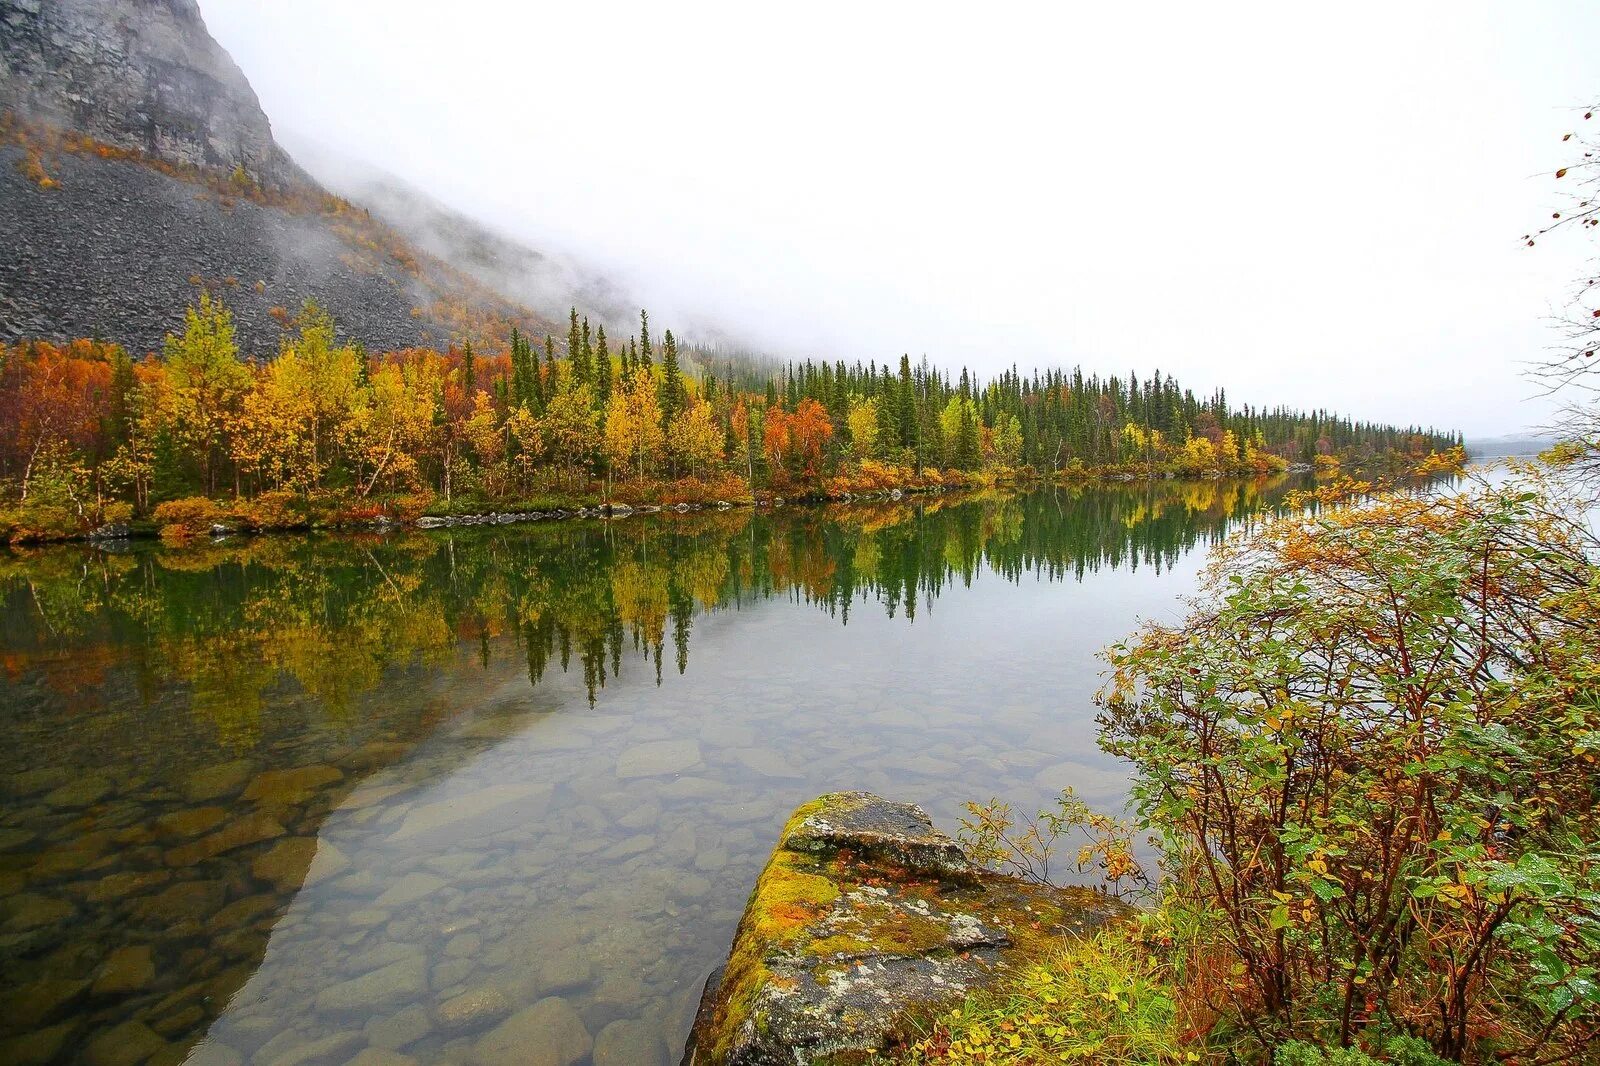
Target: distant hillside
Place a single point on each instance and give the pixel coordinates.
(136, 164)
(1511, 444)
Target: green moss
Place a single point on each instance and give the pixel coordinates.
(788, 897)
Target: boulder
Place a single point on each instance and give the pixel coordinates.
(549, 1033)
(866, 919)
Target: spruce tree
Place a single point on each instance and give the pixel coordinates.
(520, 385)
(469, 383)
(644, 339)
(968, 449)
(671, 389)
(588, 354)
(575, 348)
(602, 368)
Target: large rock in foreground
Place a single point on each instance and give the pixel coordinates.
(867, 919)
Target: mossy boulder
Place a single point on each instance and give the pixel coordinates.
(866, 920)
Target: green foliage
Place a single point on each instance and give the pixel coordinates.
(1370, 756)
(1401, 1050)
(1104, 999)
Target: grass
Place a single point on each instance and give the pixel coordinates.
(1104, 999)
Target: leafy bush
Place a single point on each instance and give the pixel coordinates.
(273, 510)
(1027, 847)
(1370, 757)
(116, 513)
(36, 520)
(192, 516)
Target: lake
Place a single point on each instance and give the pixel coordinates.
(283, 799)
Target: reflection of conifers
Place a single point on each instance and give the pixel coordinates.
(331, 616)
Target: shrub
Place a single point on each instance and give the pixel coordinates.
(273, 510)
(38, 520)
(183, 519)
(1370, 757)
(1027, 847)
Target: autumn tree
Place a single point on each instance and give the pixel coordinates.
(633, 423)
(206, 385)
(863, 426)
(694, 440)
(392, 431)
(569, 429)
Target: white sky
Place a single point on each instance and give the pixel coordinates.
(1309, 204)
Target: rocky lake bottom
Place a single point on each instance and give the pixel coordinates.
(499, 796)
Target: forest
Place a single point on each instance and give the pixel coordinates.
(323, 432)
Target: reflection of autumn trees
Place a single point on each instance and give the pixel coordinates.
(240, 622)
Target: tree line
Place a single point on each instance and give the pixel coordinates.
(89, 433)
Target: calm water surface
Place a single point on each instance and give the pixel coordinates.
(280, 800)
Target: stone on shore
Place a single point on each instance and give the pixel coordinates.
(865, 919)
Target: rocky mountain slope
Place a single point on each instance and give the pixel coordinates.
(136, 164)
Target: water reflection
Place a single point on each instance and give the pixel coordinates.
(441, 793)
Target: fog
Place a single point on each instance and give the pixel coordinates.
(1317, 206)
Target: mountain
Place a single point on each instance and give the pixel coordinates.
(136, 164)
(537, 278)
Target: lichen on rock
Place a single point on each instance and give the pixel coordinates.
(865, 919)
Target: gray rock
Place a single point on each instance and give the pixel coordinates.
(629, 1042)
(513, 801)
(400, 1029)
(409, 889)
(463, 946)
(549, 1033)
(329, 1050)
(474, 1009)
(396, 983)
(564, 972)
(767, 762)
(658, 757)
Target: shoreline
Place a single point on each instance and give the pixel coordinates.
(579, 507)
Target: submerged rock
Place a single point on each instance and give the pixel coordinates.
(549, 1033)
(866, 919)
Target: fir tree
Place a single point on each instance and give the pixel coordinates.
(575, 349)
(587, 353)
(671, 390)
(602, 367)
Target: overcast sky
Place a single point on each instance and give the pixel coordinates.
(1308, 204)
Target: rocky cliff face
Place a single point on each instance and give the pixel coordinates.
(139, 74)
(114, 243)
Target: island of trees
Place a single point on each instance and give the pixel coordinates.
(323, 432)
